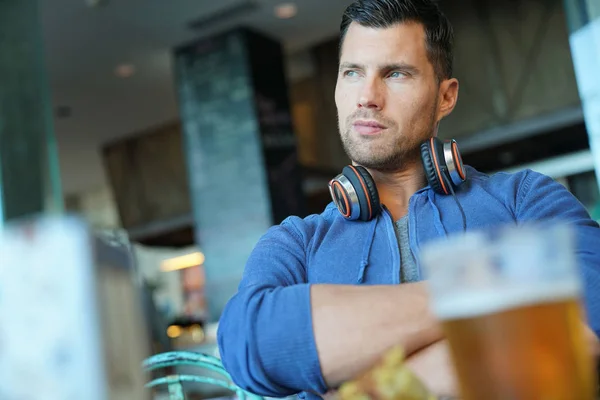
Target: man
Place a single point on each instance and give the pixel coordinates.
(319, 301)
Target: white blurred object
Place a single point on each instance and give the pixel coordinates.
(48, 332)
(70, 325)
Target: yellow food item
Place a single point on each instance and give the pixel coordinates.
(389, 379)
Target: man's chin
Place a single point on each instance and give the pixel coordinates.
(379, 165)
(393, 162)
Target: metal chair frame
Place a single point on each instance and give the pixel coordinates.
(187, 358)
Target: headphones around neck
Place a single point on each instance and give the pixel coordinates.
(355, 194)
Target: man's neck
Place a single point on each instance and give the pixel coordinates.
(396, 187)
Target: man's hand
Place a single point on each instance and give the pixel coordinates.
(434, 368)
(354, 326)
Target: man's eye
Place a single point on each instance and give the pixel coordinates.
(351, 74)
(397, 74)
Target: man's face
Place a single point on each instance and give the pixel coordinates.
(387, 95)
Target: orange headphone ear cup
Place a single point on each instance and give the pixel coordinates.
(365, 189)
(372, 192)
(431, 169)
(458, 163)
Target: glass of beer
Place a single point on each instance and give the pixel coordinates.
(509, 303)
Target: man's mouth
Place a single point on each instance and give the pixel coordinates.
(368, 127)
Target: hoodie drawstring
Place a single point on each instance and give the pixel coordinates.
(437, 223)
(437, 218)
(366, 251)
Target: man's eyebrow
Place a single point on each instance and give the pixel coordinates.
(349, 65)
(400, 67)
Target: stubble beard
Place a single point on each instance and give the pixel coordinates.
(396, 151)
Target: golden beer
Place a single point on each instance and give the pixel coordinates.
(510, 310)
(533, 351)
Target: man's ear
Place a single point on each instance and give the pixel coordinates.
(448, 96)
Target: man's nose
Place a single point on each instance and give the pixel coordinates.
(371, 95)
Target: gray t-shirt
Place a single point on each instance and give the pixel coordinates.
(408, 265)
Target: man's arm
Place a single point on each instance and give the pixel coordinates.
(355, 325)
(541, 199)
(279, 335)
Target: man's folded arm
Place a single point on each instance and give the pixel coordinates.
(279, 335)
(541, 198)
(265, 333)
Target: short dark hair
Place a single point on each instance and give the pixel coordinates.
(439, 35)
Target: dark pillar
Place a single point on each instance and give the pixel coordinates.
(29, 172)
(584, 26)
(240, 148)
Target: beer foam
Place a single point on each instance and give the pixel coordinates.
(470, 303)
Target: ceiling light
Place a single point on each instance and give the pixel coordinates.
(286, 10)
(124, 70)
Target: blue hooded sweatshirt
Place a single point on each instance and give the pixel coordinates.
(265, 333)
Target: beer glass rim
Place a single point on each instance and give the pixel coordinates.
(488, 270)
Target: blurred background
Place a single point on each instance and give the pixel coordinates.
(181, 130)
